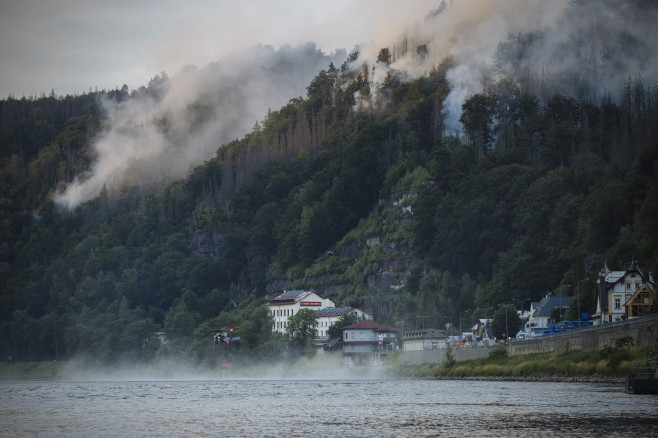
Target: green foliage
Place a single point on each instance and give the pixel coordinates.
(449, 360)
(539, 185)
(571, 364)
(301, 330)
(497, 353)
(505, 322)
(336, 329)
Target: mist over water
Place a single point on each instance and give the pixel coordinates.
(317, 368)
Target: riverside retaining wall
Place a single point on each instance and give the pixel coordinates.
(438, 356)
(590, 339)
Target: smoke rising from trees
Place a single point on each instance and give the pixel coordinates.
(164, 130)
(585, 49)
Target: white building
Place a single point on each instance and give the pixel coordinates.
(424, 339)
(326, 317)
(540, 312)
(290, 302)
(615, 289)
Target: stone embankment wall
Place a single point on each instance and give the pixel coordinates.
(590, 339)
(437, 356)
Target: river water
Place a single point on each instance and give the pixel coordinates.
(332, 408)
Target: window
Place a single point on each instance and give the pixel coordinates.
(628, 285)
(617, 303)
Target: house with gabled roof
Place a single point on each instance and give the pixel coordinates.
(642, 302)
(540, 312)
(616, 288)
(290, 302)
(368, 342)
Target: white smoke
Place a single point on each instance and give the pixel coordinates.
(162, 132)
(149, 140)
(469, 32)
(584, 49)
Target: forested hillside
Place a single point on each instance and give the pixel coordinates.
(544, 180)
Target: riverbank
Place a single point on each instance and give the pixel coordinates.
(610, 365)
(31, 370)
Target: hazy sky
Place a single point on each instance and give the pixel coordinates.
(70, 46)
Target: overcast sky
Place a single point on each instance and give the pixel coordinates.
(70, 46)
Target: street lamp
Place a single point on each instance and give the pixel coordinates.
(460, 323)
(506, 327)
(580, 317)
(506, 324)
(568, 285)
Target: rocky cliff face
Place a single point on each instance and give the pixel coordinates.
(381, 262)
(207, 243)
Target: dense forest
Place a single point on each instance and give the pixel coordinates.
(545, 180)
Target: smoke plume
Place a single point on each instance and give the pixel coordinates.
(163, 131)
(586, 49)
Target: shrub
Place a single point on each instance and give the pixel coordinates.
(498, 353)
(449, 361)
(617, 358)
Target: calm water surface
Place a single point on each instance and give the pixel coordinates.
(345, 408)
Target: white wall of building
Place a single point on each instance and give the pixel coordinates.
(282, 312)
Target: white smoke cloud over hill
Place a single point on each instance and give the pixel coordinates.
(598, 44)
(160, 134)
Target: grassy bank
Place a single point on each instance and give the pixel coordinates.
(30, 370)
(610, 363)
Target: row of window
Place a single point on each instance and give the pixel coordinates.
(283, 312)
(282, 325)
(290, 312)
(629, 283)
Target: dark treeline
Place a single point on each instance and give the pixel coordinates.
(539, 191)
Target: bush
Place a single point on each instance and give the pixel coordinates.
(498, 353)
(449, 361)
(617, 358)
